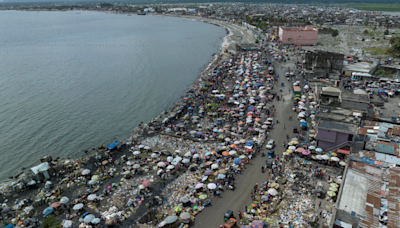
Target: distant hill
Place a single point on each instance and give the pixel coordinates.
(317, 2)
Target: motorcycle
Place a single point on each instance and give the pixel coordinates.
(262, 155)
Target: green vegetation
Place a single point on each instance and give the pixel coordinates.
(386, 32)
(394, 49)
(382, 73)
(106, 5)
(335, 32)
(375, 7)
(376, 50)
(51, 222)
(365, 32)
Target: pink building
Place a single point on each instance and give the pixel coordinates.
(307, 35)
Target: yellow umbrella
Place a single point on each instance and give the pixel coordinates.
(286, 153)
(242, 156)
(95, 177)
(294, 142)
(289, 151)
(202, 196)
(178, 209)
(334, 154)
(334, 185)
(331, 194)
(290, 143)
(333, 189)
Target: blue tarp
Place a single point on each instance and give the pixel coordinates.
(112, 145)
(249, 144)
(368, 161)
(381, 91)
(303, 124)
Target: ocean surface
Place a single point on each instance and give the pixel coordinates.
(73, 81)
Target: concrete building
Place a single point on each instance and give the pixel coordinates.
(322, 64)
(358, 100)
(359, 67)
(307, 35)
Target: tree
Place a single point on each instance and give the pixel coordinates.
(393, 40)
(335, 32)
(375, 28)
(365, 32)
(386, 32)
(394, 49)
(366, 22)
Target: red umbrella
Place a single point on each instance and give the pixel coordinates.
(146, 183)
(55, 205)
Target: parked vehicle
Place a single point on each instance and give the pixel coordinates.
(228, 215)
(270, 144)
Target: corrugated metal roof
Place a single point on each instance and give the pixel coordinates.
(394, 199)
(385, 147)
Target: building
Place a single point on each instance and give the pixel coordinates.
(358, 100)
(369, 197)
(367, 68)
(322, 64)
(332, 135)
(307, 35)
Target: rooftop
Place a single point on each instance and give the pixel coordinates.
(349, 128)
(356, 97)
(371, 193)
(362, 67)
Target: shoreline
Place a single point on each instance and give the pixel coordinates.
(135, 133)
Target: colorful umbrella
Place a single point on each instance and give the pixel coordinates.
(334, 185)
(211, 186)
(171, 219)
(257, 224)
(333, 189)
(48, 210)
(202, 196)
(199, 185)
(146, 183)
(55, 205)
(331, 194)
(178, 209)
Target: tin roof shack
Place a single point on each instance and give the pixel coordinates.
(330, 96)
(323, 64)
(42, 172)
(383, 137)
(332, 135)
(307, 35)
(370, 196)
(355, 100)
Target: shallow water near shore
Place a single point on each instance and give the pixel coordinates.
(70, 82)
